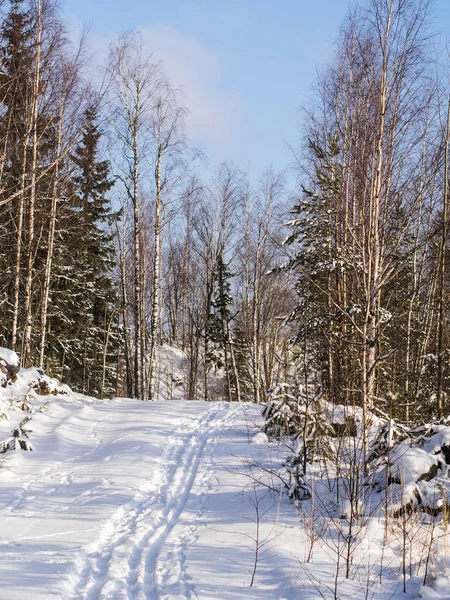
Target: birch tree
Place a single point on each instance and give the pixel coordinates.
(135, 84)
(366, 190)
(170, 163)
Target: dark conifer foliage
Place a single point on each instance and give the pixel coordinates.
(84, 286)
(58, 301)
(221, 314)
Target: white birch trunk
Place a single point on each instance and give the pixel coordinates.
(50, 242)
(26, 352)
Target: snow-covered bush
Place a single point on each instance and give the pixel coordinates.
(19, 394)
(412, 466)
(289, 408)
(388, 433)
(295, 413)
(18, 440)
(41, 383)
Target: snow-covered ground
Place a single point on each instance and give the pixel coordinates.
(123, 499)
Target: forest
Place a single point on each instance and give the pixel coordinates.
(297, 323)
(113, 244)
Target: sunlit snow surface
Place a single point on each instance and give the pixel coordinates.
(126, 499)
(123, 499)
(9, 356)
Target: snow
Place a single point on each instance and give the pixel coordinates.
(123, 499)
(170, 373)
(36, 378)
(439, 439)
(9, 356)
(259, 438)
(410, 463)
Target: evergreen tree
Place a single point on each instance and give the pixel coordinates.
(319, 263)
(30, 53)
(86, 322)
(222, 354)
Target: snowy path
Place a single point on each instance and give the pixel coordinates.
(136, 501)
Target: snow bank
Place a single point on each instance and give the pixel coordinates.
(259, 438)
(9, 363)
(21, 397)
(435, 443)
(9, 356)
(40, 382)
(411, 464)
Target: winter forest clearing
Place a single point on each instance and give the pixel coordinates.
(118, 501)
(216, 383)
(182, 499)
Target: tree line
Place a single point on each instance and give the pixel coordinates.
(370, 228)
(112, 244)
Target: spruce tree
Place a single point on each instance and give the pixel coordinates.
(87, 317)
(222, 353)
(319, 263)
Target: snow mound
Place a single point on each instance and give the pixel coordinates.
(411, 464)
(9, 356)
(9, 363)
(439, 440)
(414, 467)
(40, 382)
(259, 438)
(170, 373)
(21, 397)
(19, 382)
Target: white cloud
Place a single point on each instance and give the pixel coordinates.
(197, 71)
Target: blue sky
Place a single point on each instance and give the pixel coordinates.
(245, 66)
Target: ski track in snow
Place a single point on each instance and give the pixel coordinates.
(124, 562)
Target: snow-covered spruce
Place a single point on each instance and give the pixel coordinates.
(307, 419)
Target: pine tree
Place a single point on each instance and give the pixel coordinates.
(86, 322)
(222, 353)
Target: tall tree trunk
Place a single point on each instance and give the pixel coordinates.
(156, 275)
(440, 352)
(371, 324)
(138, 391)
(237, 382)
(26, 352)
(19, 235)
(105, 350)
(126, 326)
(255, 332)
(50, 240)
(184, 291)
